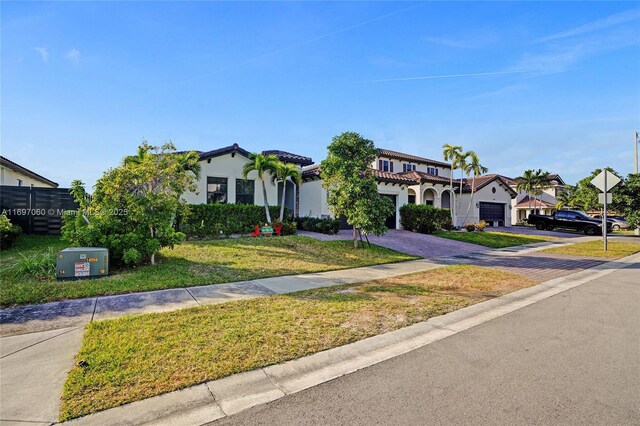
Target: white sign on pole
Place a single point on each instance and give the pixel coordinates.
(611, 180)
(601, 199)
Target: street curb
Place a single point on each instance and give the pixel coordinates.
(204, 403)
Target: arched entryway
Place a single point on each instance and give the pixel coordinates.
(429, 196)
(446, 199)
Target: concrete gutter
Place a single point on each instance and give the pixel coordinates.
(213, 400)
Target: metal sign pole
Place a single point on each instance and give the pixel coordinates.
(604, 215)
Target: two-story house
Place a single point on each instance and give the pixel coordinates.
(544, 203)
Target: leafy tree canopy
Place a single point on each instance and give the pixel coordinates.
(352, 187)
(133, 207)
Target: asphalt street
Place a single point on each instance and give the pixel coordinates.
(571, 359)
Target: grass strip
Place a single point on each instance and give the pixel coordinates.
(615, 249)
(493, 239)
(189, 264)
(136, 357)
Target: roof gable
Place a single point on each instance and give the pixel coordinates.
(289, 157)
(4, 161)
(411, 158)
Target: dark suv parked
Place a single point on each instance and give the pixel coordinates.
(569, 219)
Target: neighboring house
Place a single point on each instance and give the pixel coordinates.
(491, 201)
(544, 203)
(221, 179)
(14, 174)
(402, 178)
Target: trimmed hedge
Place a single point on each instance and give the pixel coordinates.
(328, 226)
(424, 218)
(208, 220)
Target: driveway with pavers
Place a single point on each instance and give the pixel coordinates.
(426, 246)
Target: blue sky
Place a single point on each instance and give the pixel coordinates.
(526, 85)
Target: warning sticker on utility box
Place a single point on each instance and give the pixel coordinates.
(82, 269)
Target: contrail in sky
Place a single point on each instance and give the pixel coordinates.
(435, 77)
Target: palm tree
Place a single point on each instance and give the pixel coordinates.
(474, 168)
(566, 198)
(543, 181)
(460, 162)
(527, 182)
(261, 163)
(451, 153)
(282, 172)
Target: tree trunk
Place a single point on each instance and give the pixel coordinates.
(473, 186)
(266, 202)
(153, 255)
(284, 187)
(451, 199)
(355, 238)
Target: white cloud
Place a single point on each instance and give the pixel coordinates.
(73, 55)
(43, 52)
(609, 21)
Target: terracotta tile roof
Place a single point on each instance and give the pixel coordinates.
(552, 176)
(408, 157)
(313, 172)
(535, 203)
(482, 181)
(420, 177)
(231, 149)
(289, 157)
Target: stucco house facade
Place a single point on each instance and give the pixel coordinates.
(13, 174)
(221, 179)
(491, 201)
(544, 203)
(403, 178)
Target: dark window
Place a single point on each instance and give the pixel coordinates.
(19, 182)
(391, 166)
(379, 164)
(216, 190)
(383, 165)
(412, 199)
(245, 190)
(432, 171)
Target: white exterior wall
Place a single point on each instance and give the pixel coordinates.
(420, 167)
(10, 177)
(502, 195)
(402, 197)
(313, 199)
(226, 166)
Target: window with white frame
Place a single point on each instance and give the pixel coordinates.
(408, 167)
(432, 170)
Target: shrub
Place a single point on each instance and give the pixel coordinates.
(424, 218)
(134, 205)
(481, 225)
(212, 220)
(470, 227)
(8, 232)
(288, 228)
(39, 264)
(327, 225)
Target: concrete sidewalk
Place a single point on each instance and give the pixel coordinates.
(217, 399)
(78, 312)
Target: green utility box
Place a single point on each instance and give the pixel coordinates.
(82, 262)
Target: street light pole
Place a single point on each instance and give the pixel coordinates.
(635, 146)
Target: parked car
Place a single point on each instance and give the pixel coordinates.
(617, 222)
(569, 219)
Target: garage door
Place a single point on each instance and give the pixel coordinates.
(492, 212)
(391, 220)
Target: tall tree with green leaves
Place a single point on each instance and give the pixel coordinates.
(527, 183)
(351, 185)
(566, 198)
(475, 169)
(132, 207)
(282, 173)
(542, 182)
(262, 164)
(450, 154)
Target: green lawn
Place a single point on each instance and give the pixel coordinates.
(492, 239)
(615, 249)
(188, 264)
(137, 357)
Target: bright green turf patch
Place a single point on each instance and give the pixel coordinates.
(493, 239)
